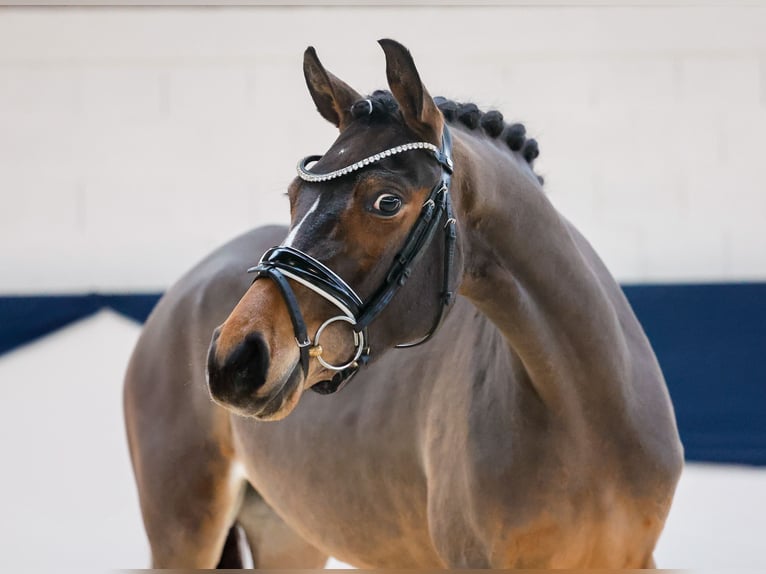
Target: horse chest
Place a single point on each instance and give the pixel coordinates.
(359, 494)
(377, 492)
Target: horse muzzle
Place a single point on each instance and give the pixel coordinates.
(237, 381)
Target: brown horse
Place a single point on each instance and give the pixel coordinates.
(533, 429)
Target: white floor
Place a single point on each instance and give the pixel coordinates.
(68, 499)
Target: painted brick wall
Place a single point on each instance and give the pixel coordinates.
(133, 141)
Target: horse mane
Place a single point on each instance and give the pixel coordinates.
(381, 105)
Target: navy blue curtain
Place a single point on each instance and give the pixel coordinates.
(710, 341)
(25, 318)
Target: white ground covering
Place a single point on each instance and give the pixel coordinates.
(68, 498)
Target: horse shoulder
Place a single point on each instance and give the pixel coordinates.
(643, 423)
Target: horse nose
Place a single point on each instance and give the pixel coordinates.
(237, 376)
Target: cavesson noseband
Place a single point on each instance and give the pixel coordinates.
(283, 262)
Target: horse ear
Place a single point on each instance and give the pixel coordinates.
(332, 96)
(418, 108)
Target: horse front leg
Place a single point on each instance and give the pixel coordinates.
(188, 501)
(188, 485)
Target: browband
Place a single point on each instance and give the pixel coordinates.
(306, 175)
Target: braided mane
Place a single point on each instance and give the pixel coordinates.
(382, 105)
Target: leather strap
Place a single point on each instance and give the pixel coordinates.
(306, 267)
(414, 246)
(294, 310)
(417, 241)
(441, 197)
(447, 294)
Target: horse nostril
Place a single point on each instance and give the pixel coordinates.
(249, 363)
(242, 372)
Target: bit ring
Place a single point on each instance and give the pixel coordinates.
(358, 342)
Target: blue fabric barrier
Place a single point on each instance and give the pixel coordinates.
(710, 341)
(25, 318)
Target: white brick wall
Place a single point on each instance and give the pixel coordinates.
(133, 141)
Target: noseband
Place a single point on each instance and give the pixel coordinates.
(282, 262)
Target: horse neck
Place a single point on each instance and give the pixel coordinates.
(535, 279)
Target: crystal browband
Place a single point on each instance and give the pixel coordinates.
(306, 175)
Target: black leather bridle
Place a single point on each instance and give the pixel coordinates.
(283, 262)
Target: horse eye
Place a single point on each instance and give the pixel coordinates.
(387, 204)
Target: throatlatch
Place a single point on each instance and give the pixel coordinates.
(282, 262)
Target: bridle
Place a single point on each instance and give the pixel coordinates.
(283, 262)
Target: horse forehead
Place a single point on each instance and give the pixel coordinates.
(319, 213)
(358, 142)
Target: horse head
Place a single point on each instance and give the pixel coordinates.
(372, 260)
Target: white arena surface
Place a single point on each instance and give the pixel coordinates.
(69, 501)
